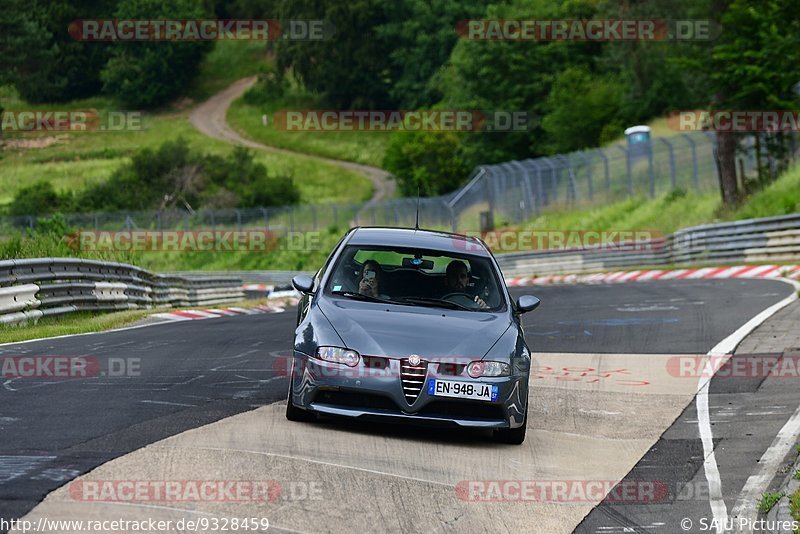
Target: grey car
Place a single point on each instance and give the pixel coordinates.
(414, 326)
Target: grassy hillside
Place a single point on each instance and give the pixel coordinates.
(75, 159)
(674, 211)
(360, 147)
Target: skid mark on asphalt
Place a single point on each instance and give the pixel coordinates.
(400, 478)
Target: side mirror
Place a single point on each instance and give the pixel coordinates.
(527, 303)
(303, 283)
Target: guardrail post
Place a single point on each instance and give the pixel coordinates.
(670, 148)
(628, 167)
(693, 146)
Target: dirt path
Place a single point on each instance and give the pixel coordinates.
(209, 118)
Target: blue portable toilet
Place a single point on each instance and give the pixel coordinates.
(637, 134)
(638, 138)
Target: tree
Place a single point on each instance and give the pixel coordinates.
(41, 59)
(428, 162)
(422, 34)
(349, 69)
(578, 108)
(149, 74)
(755, 65)
(33, 199)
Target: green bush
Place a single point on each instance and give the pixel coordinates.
(430, 161)
(37, 198)
(149, 74)
(175, 175)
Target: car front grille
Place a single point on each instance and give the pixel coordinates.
(412, 378)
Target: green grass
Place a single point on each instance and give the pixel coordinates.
(671, 212)
(768, 500)
(794, 506)
(76, 323)
(360, 147)
(77, 159)
(86, 322)
(663, 215)
(227, 62)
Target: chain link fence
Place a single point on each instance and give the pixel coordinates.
(508, 192)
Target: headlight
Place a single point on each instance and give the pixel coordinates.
(338, 355)
(481, 368)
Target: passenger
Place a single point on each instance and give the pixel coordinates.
(369, 282)
(457, 281)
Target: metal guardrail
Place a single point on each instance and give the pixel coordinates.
(770, 239)
(35, 288)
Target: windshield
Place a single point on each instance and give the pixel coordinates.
(417, 278)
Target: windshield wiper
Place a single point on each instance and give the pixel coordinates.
(426, 301)
(360, 296)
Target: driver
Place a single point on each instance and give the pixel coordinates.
(457, 279)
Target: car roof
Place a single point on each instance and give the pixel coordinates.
(421, 239)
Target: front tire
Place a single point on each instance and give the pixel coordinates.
(513, 436)
(293, 413)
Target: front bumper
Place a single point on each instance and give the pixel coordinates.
(376, 394)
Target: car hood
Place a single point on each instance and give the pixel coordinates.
(398, 331)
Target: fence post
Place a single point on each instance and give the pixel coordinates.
(607, 174)
(673, 178)
(553, 185)
(693, 145)
(527, 194)
(650, 172)
(628, 167)
(588, 163)
(572, 186)
(540, 196)
(713, 139)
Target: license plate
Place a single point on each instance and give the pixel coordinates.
(462, 390)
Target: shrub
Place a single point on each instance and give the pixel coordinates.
(37, 198)
(428, 160)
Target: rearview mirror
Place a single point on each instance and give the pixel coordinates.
(527, 303)
(303, 283)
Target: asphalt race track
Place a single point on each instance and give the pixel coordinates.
(184, 375)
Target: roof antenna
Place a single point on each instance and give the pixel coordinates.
(416, 226)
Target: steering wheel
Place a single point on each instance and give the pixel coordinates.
(464, 299)
(457, 294)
